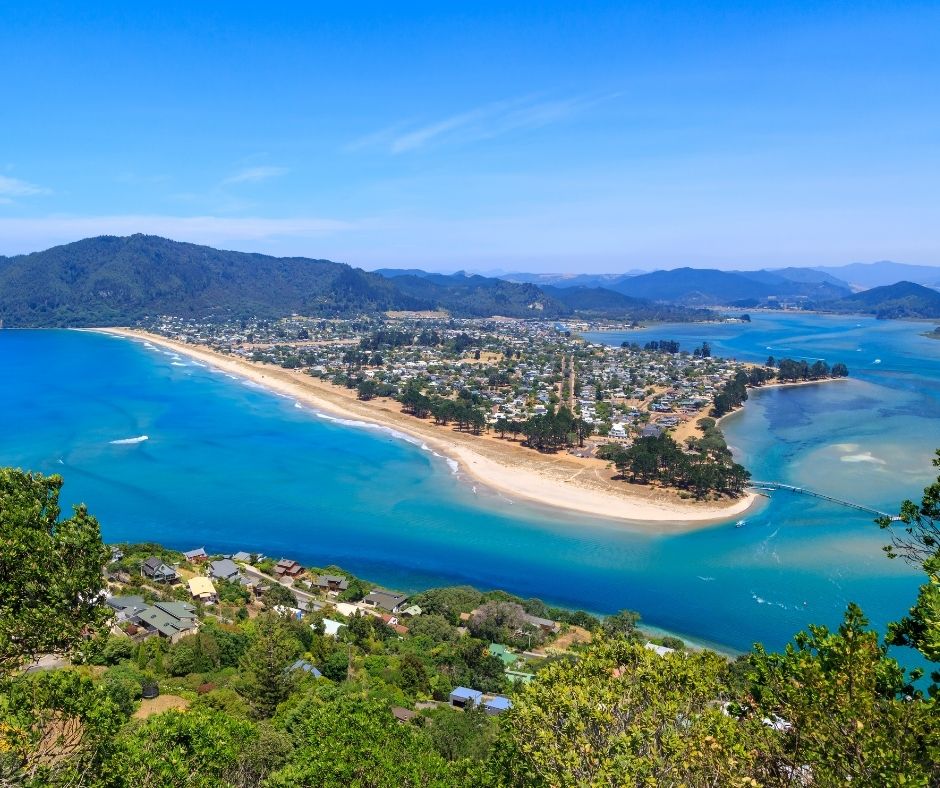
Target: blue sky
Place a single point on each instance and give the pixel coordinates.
(515, 136)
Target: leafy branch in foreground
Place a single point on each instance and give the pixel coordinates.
(919, 545)
(50, 570)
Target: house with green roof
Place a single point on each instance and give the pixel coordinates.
(171, 620)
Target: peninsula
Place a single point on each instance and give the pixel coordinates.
(285, 356)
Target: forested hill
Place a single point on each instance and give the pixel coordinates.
(112, 281)
(903, 299)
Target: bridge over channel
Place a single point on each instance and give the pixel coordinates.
(804, 491)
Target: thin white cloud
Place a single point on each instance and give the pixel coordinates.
(255, 174)
(485, 122)
(18, 235)
(14, 187)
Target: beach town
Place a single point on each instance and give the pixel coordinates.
(505, 373)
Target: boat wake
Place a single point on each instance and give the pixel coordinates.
(761, 601)
(129, 441)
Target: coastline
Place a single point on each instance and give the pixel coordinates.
(554, 481)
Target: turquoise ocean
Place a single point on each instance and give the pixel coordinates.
(231, 466)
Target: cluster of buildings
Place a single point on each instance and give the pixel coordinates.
(512, 369)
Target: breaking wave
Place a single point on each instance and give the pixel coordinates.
(128, 441)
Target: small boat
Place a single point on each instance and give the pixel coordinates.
(740, 523)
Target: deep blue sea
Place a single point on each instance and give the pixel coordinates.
(230, 466)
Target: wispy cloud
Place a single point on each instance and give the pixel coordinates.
(255, 174)
(14, 187)
(484, 122)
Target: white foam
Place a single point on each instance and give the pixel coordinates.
(705, 579)
(128, 441)
(761, 601)
(178, 364)
(298, 406)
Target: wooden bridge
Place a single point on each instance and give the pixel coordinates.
(804, 491)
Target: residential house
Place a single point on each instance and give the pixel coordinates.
(331, 583)
(305, 667)
(202, 589)
(197, 556)
(158, 571)
(389, 601)
(331, 628)
(225, 569)
(287, 568)
(126, 607)
(241, 555)
(171, 620)
(661, 650)
(545, 624)
(464, 697)
(497, 705)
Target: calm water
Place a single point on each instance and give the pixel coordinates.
(230, 466)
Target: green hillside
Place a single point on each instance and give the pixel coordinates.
(117, 281)
(902, 299)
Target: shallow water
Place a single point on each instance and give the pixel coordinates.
(230, 466)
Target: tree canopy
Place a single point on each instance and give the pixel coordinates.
(50, 570)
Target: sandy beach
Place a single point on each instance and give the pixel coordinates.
(582, 485)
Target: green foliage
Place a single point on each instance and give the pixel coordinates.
(918, 544)
(197, 653)
(459, 735)
(336, 665)
(104, 649)
(355, 591)
(850, 714)
(621, 715)
(265, 678)
(789, 370)
(622, 624)
(434, 627)
(198, 748)
(497, 621)
(124, 684)
(707, 468)
(50, 570)
(356, 742)
(278, 595)
(448, 602)
(55, 727)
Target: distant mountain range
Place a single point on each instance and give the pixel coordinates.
(862, 276)
(111, 281)
(706, 287)
(855, 276)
